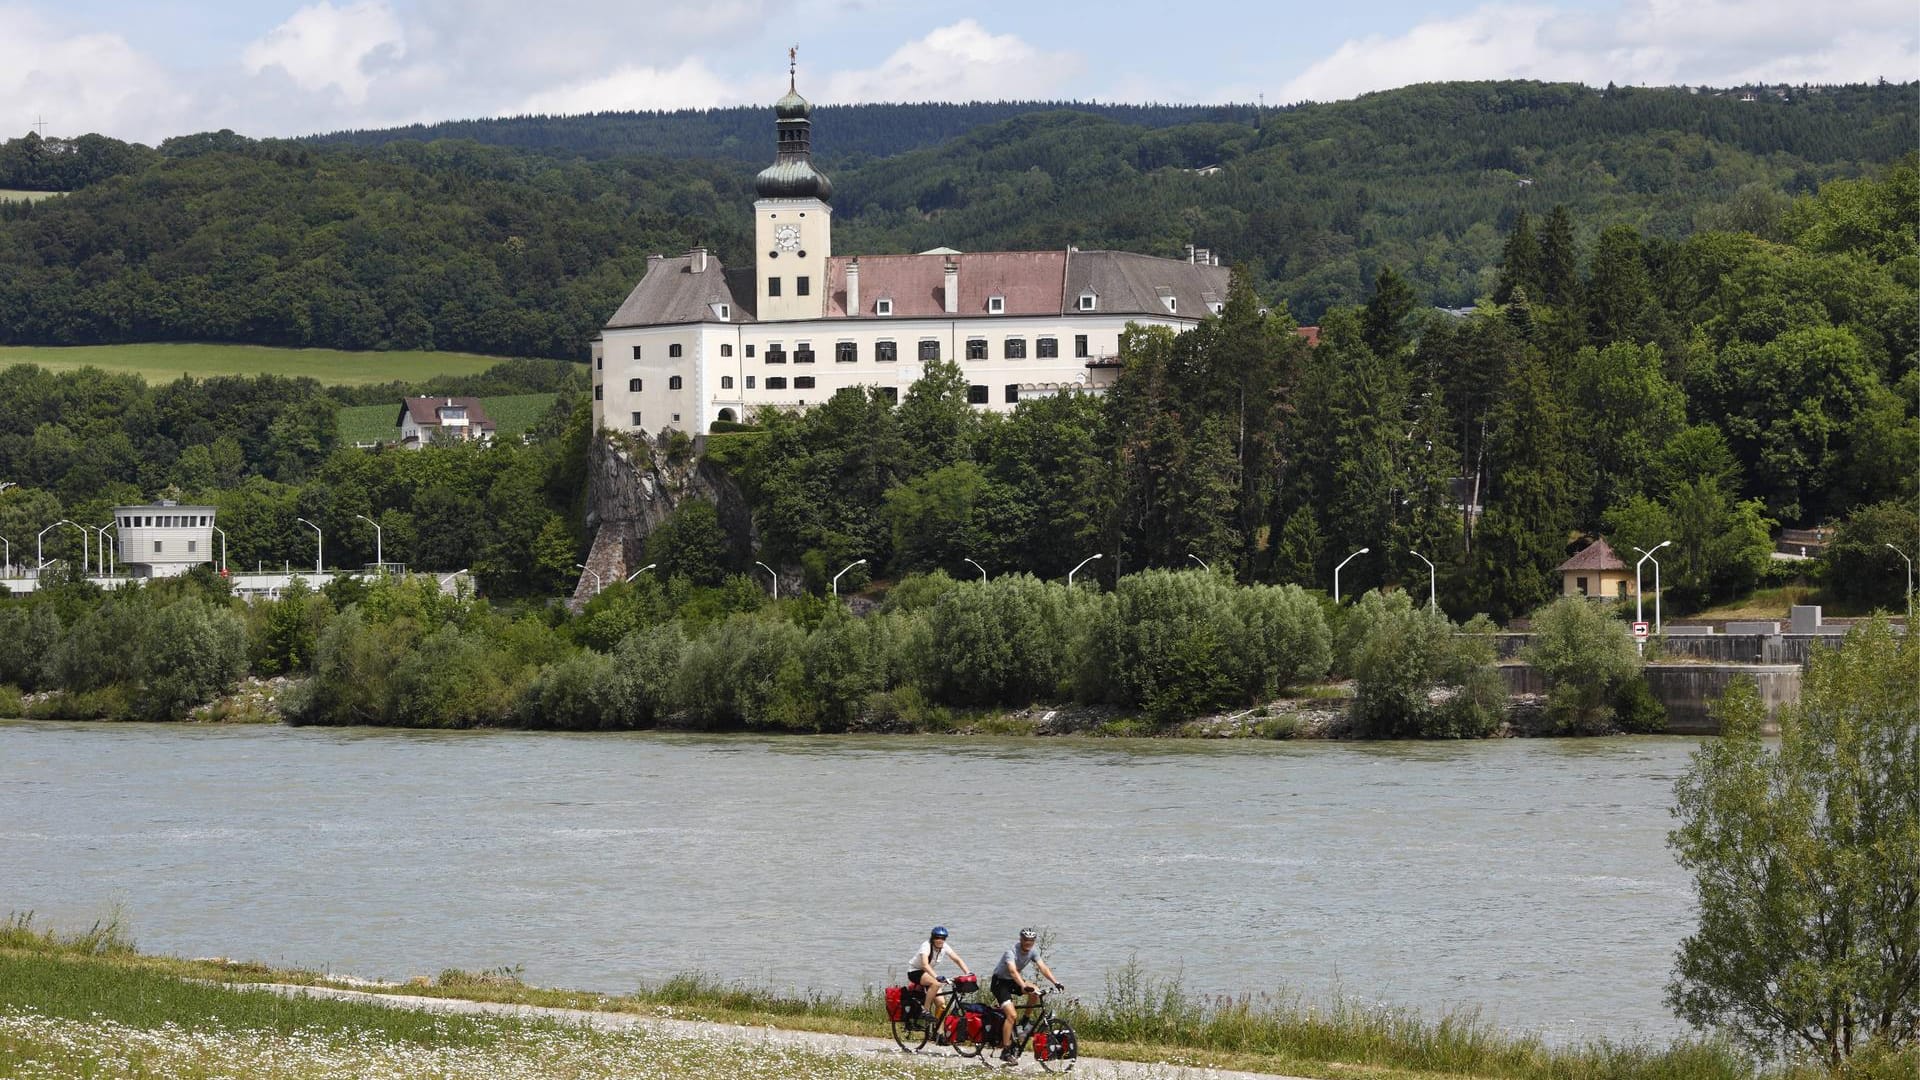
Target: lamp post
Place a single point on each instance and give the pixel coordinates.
(596, 576)
(1904, 555)
(1083, 562)
(100, 562)
(642, 570)
(319, 545)
(1433, 580)
(1337, 569)
(8, 562)
(379, 556)
(1639, 601)
(836, 577)
(771, 574)
(39, 543)
(223, 546)
(976, 566)
(1201, 561)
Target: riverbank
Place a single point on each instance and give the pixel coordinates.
(70, 1003)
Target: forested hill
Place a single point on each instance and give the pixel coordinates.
(452, 244)
(844, 134)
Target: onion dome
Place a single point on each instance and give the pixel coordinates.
(792, 107)
(792, 175)
(792, 180)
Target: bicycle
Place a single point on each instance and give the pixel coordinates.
(1054, 1044)
(913, 1027)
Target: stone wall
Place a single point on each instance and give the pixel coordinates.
(1687, 690)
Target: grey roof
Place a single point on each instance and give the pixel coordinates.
(672, 293)
(1130, 284)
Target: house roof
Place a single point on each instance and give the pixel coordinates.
(1129, 284)
(1595, 556)
(426, 411)
(672, 292)
(1029, 281)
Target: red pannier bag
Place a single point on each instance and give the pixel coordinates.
(950, 1028)
(976, 1024)
(895, 1009)
(966, 984)
(1040, 1046)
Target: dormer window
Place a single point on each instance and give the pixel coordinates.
(723, 312)
(1216, 307)
(1173, 305)
(996, 305)
(883, 307)
(1088, 301)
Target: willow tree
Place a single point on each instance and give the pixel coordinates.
(1806, 862)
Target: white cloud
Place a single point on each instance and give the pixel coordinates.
(80, 82)
(960, 62)
(323, 46)
(1656, 42)
(689, 85)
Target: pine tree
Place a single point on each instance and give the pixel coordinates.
(1519, 261)
(1559, 261)
(1529, 516)
(1619, 293)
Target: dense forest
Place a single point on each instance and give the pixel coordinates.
(452, 244)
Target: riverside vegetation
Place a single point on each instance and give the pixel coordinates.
(71, 1003)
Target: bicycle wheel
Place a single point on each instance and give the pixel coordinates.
(912, 1032)
(963, 1045)
(1062, 1047)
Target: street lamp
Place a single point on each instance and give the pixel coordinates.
(100, 563)
(976, 566)
(1336, 572)
(1201, 561)
(1433, 580)
(1904, 555)
(319, 543)
(1083, 562)
(836, 577)
(772, 574)
(596, 576)
(379, 556)
(223, 546)
(8, 562)
(642, 570)
(39, 544)
(1639, 601)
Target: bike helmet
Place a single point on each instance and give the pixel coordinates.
(1027, 934)
(938, 932)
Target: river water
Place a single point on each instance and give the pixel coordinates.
(1526, 877)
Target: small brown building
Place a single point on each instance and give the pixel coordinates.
(1597, 573)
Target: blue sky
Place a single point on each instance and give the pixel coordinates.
(271, 67)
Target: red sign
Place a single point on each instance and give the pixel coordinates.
(1640, 631)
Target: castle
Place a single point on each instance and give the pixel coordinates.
(697, 343)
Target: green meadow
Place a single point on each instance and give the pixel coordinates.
(14, 195)
(332, 367)
(512, 416)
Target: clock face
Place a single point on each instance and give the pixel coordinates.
(786, 236)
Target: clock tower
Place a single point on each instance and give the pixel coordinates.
(792, 223)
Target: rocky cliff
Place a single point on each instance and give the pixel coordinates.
(634, 482)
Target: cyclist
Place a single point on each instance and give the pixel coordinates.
(1008, 982)
(920, 969)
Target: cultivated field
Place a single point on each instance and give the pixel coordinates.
(512, 415)
(333, 367)
(13, 195)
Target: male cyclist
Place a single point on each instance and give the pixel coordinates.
(920, 969)
(1009, 982)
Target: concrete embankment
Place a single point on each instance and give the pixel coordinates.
(1688, 690)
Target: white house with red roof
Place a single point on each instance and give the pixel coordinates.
(697, 343)
(424, 420)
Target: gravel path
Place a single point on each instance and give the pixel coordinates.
(824, 1042)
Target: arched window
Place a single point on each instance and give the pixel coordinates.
(726, 415)
(673, 382)
(633, 386)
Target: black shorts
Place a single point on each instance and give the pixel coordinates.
(913, 977)
(1003, 990)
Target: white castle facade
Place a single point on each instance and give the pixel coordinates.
(696, 343)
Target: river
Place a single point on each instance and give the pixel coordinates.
(1529, 878)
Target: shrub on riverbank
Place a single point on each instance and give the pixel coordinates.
(1590, 664)
(1416, 675)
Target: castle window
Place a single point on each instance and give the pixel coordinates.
(803, 382)
(776, 354)
(750, 382)
(891, 393)
(599, 393)
(673, 350)
(773, 286)
(776, 382)
(676, 418)
(1047, 348)
(1087, 301)
(1016, 348)
(636, 420)
(929, 349)
(673, 382)
(636, 352)
(883, 307)
(977, 348)
(996, 305)
(726, 382)
(845, 352)
(1080, 345)
(1013, 393)
(803, 286)
(726, 350)
(886, 352)
(976, 395)
(726, 312)
(633, 386)
(599, 362)
(749, 352)
(803, 353)
(1173, 305)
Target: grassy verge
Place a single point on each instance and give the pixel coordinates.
(159, 363)
(93, 988)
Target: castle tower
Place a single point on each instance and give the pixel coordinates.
(792, 224)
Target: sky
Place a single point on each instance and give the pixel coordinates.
(146, 69)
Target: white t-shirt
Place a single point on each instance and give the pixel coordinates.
(926, 958)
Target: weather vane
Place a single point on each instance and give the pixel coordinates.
(793, 61)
